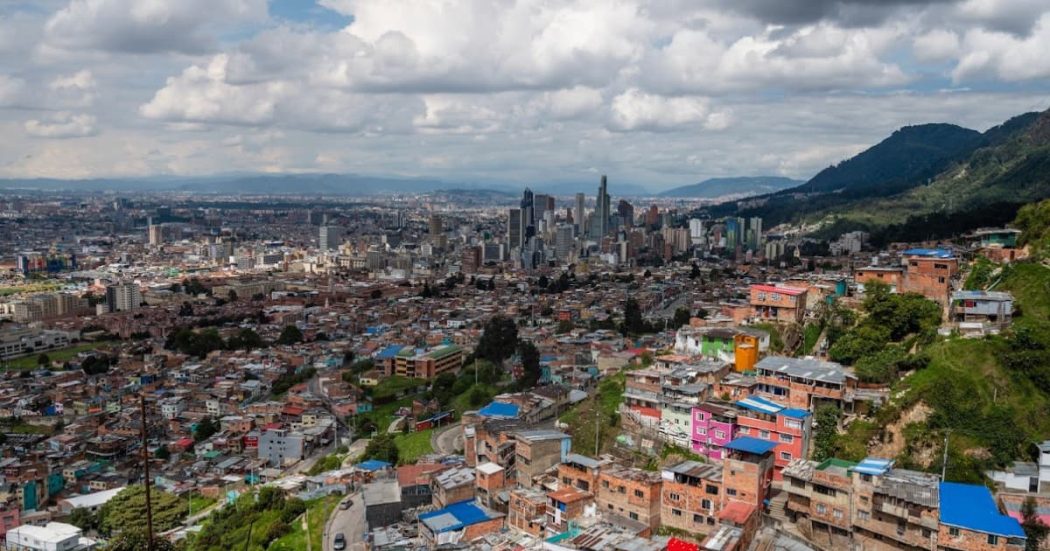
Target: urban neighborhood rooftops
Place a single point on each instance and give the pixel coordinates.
(971, 507)
(499, 410)
(457, 516)
(804, 368)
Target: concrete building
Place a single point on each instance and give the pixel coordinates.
(536, 451)
(773, 302)
(788, 429)
(382, 501)
(527, 510)
(691, 497)
(631, 493)
(329, 238)
(981, 312)
(452, 486)
(281, 446)
(930, 272)
(53, 536)
(459, 523)
(122, 297)
(567, 505)
(804, 383)
(416, 364)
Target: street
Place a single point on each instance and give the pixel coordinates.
(447, 439)
(350, 522)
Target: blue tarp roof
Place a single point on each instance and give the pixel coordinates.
(388, 352)
(937, 253)
(373, 465)
(751, 444)
(971, 507)
(873, 466)
(497, 409)
(760, 405)
(795, 413)
(455, 516)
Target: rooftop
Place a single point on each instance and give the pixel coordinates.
(803, 368)
(750, 444)
(971, 507)
(457, 516)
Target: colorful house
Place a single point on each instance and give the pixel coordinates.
(789, 429)
(714, 426)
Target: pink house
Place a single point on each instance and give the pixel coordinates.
(714, 426)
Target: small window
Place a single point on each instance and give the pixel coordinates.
(720, 434)
(953, 531)
(865, 477)
(822, 509)
(786, 438)
(634, 516)
(605, 484)
(730, 491)
(862, 515)
(993, 539)
(711, 490)
(785, 456)
(745, 430)
(676, 512)
(705, 504)
(792, 423)
(674, 497)
(639, 493)
(698, 518)
(763, 434)
(837, 513)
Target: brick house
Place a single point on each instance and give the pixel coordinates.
(895, 506)
(805, 383)
(970, 520)
(581, 472)
(631, 493)
(452, 486)
(527, 510)
(820, 499)
(460, 522)
(565, 505)
(930, 272)
(691, 496)
(490, 480)
(747, 472)
(785, 304)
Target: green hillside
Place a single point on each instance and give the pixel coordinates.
(744, 185)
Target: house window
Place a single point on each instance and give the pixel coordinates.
(701, 431)
(699, 416)
(865, 477)
(822, 509)
(705, 504)
(605, 484)
(730, 491)
(761, 296)
(720, 434)
(787, 438)
(622, 489)
(993, 539)
(711, 490)
(798, 483)
(792, 423)
(940, 280)
(763, 434)
(953, 531)
(785, 456)
(837, 513)
(676, 512)
(774, 297)
(745, 430)
(698, 518)
(711, 521)
(634, 516)
(639, 493)
(674, 497)
(862, 515)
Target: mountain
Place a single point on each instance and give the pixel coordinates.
(910, 154)
(928, 181)
(740, 186)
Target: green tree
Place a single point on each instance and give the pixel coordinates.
(564, 326)
(681, 317)
(83, 518)
(135, 540)
(245, 339)
(827, 419)
(633, 324)
(383, 448)
(1034, 528)
(530, 361)
(290, 335)
(498, 340)
(127, 511)
(205, 429)
(43, 359)
(162, 453)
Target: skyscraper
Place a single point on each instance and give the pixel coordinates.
(515, 229)
(600, 217)
(755, 233)
(329, 238)
(626, 212)
(528, 215)
(121, 297)
(578, 215)
(563, 242)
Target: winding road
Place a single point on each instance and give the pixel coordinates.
(447, 439)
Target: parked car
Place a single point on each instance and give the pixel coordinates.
(339, 543)
(346, 504)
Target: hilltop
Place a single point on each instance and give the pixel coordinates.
(739, 186)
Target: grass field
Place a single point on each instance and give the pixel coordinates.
(318, 511)
(59, 355)
(412, 445)
(200, 503)
(30, 288)
(392, 386)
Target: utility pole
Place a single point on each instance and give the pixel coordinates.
(944, 464)
(145, 467)
(597, 424)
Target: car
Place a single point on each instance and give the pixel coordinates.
(339, 543)
(346, 504)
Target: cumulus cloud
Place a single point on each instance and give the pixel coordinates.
(145, 27)
(636, 110)
(848, 12)
(62, 124)
(936, 46)
(1005, 56)
(78, 89)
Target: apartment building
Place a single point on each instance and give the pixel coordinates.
(565, 506)
(930, 272)
(536, 451)
(581, 472)
(747, 471)
(490, 480)
(778, 303)
(820, 499)
(788, 429)
(691, 496)
(713, 426)
(527, 510)
(894, 507)
(428, 364)
(805, 383)
(631, 493)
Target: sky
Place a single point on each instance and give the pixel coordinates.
(652, 92)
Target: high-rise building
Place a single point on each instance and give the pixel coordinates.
(156, 235)
(652, 216)
(563, 242)
(329, 238)
(515, 229)
(579, 217)
(732, 233)
(437, 226)
(540, 203)
(696, 231)
(121, 297)
(600, 217)
(471, 259)
(528, 216)
(755, 233)
(626, 212)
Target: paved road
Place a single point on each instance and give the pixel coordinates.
(351, 523)
(447, 439)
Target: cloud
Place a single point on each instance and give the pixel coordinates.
(936, 46)
(1005, 56)
(636, 110)
(78, 89)
(145, 27)
(11, 90)
(62, 124)
(848, 12)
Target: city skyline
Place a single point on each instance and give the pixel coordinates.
(95, 89)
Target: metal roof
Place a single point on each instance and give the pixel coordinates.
(972, 507)
(760, 405)
(750, 444)
(456, 516)
(498, 409)
(874, 466)
(817, 370)
(933, 253)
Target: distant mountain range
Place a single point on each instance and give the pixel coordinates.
(926, 181)
(739, 186)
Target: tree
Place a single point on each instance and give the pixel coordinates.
(135, 540)
(83, 518)
(695, 272)
(681, 317)
(126, 511)
(564, 326)
(427, 292)
(43, 359)
(205, 429)
(383, 448)
(1034, 528)
(290, 335)
(633, 324)
(245, 339)
(530, 362)
(827, 419)
(186, 309)
(376, 294)
(543, 282)
(498, 340)
(162, 453)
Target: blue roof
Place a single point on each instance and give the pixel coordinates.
(388, 352)
(373, 465)
(455, 516)
(498, 409)
(936, 253)
(751, 444)
(760, 405)
(795, 413)
(873, 466)
(971, 507)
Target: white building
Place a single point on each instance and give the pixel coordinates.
(55, 536)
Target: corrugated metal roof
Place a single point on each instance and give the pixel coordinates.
(973, 508)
